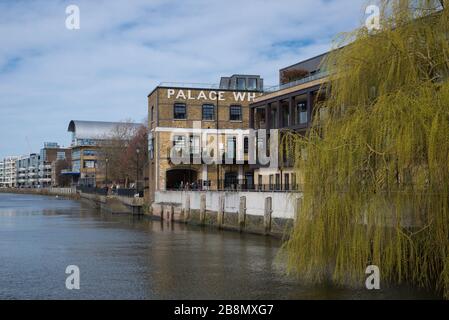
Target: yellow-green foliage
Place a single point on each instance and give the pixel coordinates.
(376, 166)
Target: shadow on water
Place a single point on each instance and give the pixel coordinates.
(125, 257)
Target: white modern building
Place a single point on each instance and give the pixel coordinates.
(2, 174)
(8, 172)
(35, 170)
(28, 171)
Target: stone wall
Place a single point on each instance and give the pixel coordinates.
(64, 192)
(255, 212)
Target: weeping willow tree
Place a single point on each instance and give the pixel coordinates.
(375, 164)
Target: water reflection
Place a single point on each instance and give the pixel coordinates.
(124, 257)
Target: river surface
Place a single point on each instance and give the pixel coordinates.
(124, 257)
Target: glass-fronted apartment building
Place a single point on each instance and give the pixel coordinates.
(27, 170)
(8, 172)
(2, 174)
(288, 106)
(35, 170)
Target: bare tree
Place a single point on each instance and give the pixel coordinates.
(119, 160)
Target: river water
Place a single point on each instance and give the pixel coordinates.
(124, 257)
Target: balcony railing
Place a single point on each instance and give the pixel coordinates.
(239, 186)
(311, 78)
(191, 85)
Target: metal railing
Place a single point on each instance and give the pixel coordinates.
(238, 186)
(314, 77)
(92, 190)
(130, 193)
(192, 85)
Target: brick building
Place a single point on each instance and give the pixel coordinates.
(177, 115)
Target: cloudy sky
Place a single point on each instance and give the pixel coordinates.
(104, 71)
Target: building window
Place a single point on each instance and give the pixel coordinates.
(294, 186)
(278, 181)
(195, 145)
(151, 147)
(249, 180)
(208, 112)
(76, 154)
(179, 111)
(235, 113)
(231, 148)
(245, 145)
(302, 112)
(60, 155)
(89, 164)
(76, 166)
(270, 181)
(152, 114)
(287, 182)
(179, 142)
(241, 84)
(252, 84)
(89, 153)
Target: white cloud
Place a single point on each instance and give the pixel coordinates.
(105, 70)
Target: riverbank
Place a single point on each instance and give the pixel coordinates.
(68, 193)
(262, 213)
(266, 215)
(131, 257)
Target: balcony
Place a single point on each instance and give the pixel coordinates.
(280, 93)
(315, 77)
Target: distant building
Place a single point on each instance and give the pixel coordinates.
(8, 172)
(35, 170)
(2, 174)
(50, 153)
(86, 138)
(27, 171)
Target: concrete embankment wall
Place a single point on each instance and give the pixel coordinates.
(256, 212)
(268, 213)
(114, 204)
(63, 192)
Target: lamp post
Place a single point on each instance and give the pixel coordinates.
(137, 169)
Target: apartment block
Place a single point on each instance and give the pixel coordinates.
(2, 174)
(288, 106)
(50, 153)
(87, 137)
(27, 171)
(35, 170)
(8, 172)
